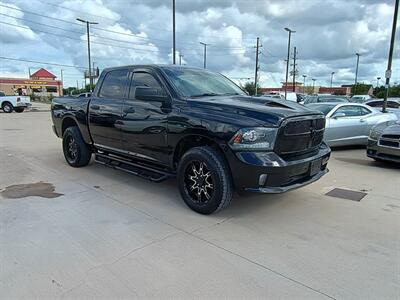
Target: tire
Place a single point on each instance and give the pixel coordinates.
(19, 109)
(76, 152)
(7, 107)
(211, 171)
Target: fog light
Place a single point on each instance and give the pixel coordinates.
(262, 179)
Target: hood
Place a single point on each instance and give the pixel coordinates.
(266, 111)
(392, 129)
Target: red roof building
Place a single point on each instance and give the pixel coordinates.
(43, 74)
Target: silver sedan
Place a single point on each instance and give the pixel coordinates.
(350, 123)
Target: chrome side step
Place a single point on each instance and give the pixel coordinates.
(135, 168)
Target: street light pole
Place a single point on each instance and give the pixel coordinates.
(287, 61)
(332, 78)
(304, 83)
(377, 81)
(388, 72)
(355, 80)
(313, 85)
(180, 59)
(205, 54)
(173, 33)
(88, 23)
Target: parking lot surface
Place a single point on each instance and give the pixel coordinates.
(104, 233)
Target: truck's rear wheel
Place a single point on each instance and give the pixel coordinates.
(204, 180)
(7, 107)
(76, 152)
(19, 109)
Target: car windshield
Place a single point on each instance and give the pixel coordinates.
(201, 83)
(324, 108)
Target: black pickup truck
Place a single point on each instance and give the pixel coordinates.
(159, 121)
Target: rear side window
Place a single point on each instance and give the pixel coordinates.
(114, 84)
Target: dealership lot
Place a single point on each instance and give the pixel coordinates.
(110, 234)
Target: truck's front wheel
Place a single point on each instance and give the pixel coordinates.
(76, 152)
(204, 180)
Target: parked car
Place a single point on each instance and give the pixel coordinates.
(83, 95)
(324, 99)
(384, 142)
(350, 123)
(393, 105)
(14, 103)
(360, 98)
(159, 122)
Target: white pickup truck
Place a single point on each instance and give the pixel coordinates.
(17, 103)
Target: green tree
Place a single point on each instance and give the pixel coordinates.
(250, 88)
(360, 89)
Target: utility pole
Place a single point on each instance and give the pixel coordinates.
(88, 48)
(355, 80)
(173, 33)
(77, 85)
(257, 67)
(62, 77)
(388, 72)
(294, 69)
(313, 85)
(332, 78)
(60, 92)
(205, 54)
(180, 59)
(288, 56)
(304, 83)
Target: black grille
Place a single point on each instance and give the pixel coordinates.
(391, 136)
(300, 135)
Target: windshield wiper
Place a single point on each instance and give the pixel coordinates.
(205, 95)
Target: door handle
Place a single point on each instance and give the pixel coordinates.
(362, 120)
(95, 107)
(129, 110)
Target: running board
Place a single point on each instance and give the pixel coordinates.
(134, 168)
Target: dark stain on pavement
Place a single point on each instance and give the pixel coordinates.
(39, 189)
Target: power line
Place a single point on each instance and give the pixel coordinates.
(103, 29)
(41, 62)
(111, 39)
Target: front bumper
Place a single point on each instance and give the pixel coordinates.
(23, 104)
(381, 152)
(267, 172)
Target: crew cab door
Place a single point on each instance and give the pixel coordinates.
(145, 117)
(105, 109)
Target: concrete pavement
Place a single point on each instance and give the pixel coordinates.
(113, 235)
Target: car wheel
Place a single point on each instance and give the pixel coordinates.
(7, 107)
(76, 152)
(19, 109)
(204, 179)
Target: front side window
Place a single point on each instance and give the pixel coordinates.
(142, 79)
(114, 84)
(199, 83)
(349, 111)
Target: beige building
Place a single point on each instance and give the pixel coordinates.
(40, 83)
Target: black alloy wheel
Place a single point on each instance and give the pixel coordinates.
(199, 182)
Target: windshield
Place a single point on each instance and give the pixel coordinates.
(324, 108)
(199, 83)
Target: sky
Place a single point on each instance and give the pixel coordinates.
(328, 34)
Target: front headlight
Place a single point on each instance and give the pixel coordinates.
(257, 138)
(374, 134)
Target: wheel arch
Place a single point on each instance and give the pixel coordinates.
(195, 140)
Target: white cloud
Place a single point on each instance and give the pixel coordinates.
(328, 33)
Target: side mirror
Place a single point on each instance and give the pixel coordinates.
(150, 94)
(339, 115)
